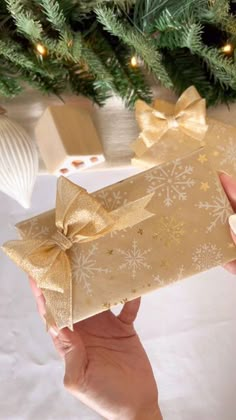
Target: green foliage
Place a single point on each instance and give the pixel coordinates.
(54, 14)
(90, 43)
(143, 46)
(182, 30)
(90, 5)
(128, 82)
(146, 12)
(188, 68)
(9, 87)
(15, 54)
(189, 35)
(24, 20)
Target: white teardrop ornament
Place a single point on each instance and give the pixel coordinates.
(18, 161)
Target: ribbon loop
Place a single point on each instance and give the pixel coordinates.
(79, 218)
(62, 241)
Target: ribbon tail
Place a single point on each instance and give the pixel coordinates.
(139, 146)
(51, 270)
(60, 303)
(193, 132)
(149, 137)
(132, 213)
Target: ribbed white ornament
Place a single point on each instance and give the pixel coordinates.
(18, 161)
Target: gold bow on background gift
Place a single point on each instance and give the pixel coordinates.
(189, 116)
(78, 218)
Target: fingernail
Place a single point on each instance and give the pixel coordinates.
(54, 331)
(224, 173)
(232, 223)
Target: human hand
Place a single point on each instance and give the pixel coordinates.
(106, 366)
(229, 185)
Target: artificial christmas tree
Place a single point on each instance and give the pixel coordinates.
(98, 48)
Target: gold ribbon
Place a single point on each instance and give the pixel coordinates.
(189, 117)
(79, 218)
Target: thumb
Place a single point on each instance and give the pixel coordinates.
(232, 223)
(229, 185)
(129, 311)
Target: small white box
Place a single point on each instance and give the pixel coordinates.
(67, 139)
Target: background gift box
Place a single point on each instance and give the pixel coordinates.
(169, 131)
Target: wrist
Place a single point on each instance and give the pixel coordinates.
(146, 413)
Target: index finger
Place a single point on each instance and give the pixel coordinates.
(40, 300)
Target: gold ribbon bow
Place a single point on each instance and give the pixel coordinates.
(79, 217)
(189, 116)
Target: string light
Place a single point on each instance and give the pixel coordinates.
(227, 48)
(134, 61)
(41, 49)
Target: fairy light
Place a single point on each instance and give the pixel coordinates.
(227, 48)
(41, 49)
(134, 61)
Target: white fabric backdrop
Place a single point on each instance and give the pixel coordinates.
(188, 330)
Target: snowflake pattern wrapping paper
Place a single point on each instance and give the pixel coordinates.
(219, 143)
(187, 233)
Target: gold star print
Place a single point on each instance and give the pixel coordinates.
(169, 231)
(164, 264)
(123, 301)
(215, 153)
(204, 186)
(202, 158)
(140, 231)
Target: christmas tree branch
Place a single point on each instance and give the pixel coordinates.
(221, 68)
(24, 20)
(9, 87)
(143, 46)
(189, 35)
(128, 82)
(95, 65)
(54, 15)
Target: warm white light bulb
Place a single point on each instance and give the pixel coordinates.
(134, 61)
(227, 48)
(42, 50)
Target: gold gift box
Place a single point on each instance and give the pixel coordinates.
(187, 232)
(219, 139)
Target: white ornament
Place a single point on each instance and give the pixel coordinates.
(18, 161)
